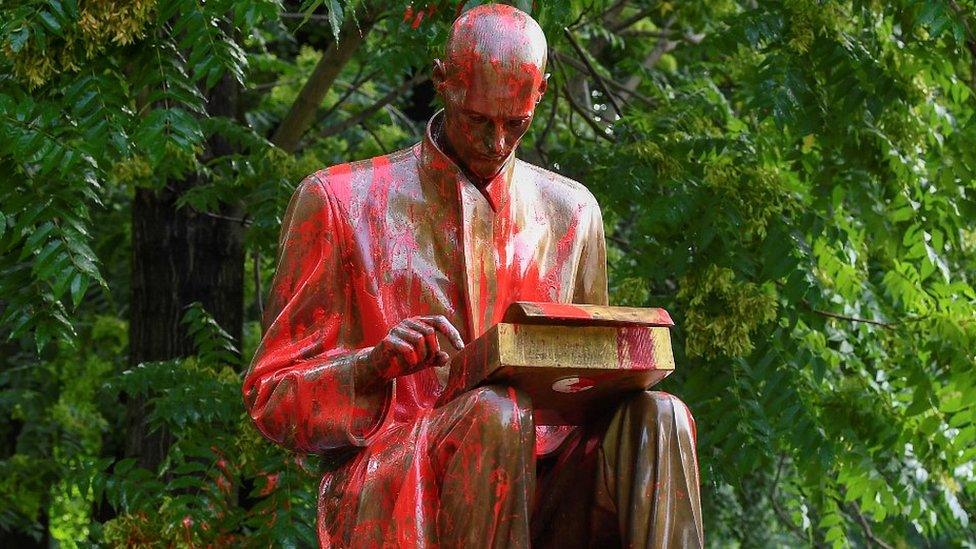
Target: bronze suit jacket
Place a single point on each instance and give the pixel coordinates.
(369, 243)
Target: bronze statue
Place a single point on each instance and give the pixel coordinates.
(383, 261)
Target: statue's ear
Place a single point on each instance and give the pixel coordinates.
(439, 76)
(543, 86)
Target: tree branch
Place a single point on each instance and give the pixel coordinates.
(664, 45)
(599, 79)
(780, 514)
(828, 314)
(350, 89)
(375, 137)
(612, 83)
(359, 117)
(579, 18)
(620, 242)
(613, 11)
(270, 85)
(617, 27)
(588, 118)
(303, 16)
(866, 528)
(334, 59)
(691, 38)
(242, 220)
(394, 112)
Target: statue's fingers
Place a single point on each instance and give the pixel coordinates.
(404, 350)
(444, 326)
(442, 358)
(433, 346)
(416, 339)
(429, 333)
(418, 325)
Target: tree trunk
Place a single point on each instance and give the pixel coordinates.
(301, 115)
(180, 256)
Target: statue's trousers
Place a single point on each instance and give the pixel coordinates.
(465, 475)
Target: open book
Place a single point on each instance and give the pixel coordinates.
(574, 361)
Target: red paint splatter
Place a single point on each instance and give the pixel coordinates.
(271, 482)
(365, 245)
(635, 348)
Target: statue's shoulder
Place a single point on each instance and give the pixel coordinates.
(354, 179)
(558, 189)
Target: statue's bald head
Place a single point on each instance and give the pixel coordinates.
(491, 79)
(494, 43)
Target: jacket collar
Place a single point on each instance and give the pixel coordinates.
(438, 166)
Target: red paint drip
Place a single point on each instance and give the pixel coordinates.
(635, 348)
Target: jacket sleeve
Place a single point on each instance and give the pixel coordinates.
(591, 274)
(300, 389)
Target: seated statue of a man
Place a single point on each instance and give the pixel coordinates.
(384, 261)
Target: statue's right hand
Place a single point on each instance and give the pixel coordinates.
(412, 345)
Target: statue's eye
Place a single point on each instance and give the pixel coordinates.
(477, 118)
(517, 122)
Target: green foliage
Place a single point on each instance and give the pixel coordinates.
(793, 180)
(194, 498)
(722, 314)
(800, 195)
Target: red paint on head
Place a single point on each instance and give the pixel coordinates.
(491, 81)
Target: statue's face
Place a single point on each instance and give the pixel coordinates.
(488, 107)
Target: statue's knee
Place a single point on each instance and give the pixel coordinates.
(503, 408)
(658, 407)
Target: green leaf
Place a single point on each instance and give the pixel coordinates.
(79, 285)
(335, 18)
(51, 22)
(39, 235)
(18, 39)
(930, 425)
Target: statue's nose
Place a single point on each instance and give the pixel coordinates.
(496, 141)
